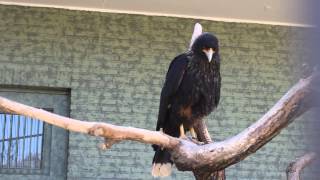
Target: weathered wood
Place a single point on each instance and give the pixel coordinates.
(295, 168)
(219, 155)
(187, 155)
(204, 136)
(108, 131)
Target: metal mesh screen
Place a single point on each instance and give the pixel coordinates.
(20, 142)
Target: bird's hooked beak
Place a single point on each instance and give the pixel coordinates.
(209, 52)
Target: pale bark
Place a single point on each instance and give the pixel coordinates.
(295, 168)
(219, 155)
(108, 131)
(203, 135)
(187, 155)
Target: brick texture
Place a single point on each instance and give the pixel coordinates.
(115, 66)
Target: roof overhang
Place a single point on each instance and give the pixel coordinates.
(275, 12)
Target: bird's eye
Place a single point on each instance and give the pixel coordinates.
(206, 48)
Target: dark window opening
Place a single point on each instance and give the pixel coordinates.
(21, 141)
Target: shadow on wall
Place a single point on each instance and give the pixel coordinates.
(314, 36)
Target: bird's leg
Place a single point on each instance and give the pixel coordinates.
(161, 130)
(182, 133)
(194, 137)
(193, 133)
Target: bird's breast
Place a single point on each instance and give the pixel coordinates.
(197, 90)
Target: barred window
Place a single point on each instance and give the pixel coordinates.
(21, 140)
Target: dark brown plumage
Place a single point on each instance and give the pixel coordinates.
(191, 91)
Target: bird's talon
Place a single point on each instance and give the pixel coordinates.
(194, 140)
(201, 143)
(183, 137)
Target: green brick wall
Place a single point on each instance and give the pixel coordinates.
(115, 64)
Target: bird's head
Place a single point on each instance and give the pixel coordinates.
(206, 45)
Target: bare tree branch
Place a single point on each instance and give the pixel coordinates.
(219, 155)
(187, 155)
(204, 136)
(294, 169)
(108, 131)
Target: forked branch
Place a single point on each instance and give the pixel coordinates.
(187, 155)
(222, 154)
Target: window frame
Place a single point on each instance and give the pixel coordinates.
(45, 154)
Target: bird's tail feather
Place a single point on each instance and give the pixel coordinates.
(162, 164)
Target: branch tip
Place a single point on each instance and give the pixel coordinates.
(294, 168)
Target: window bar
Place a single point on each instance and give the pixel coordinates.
(42, 124)
(17, 141)
(30, 144)
(24, 139)
(17, 129)
(37, 146)
(3, 137)
(10, 141)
